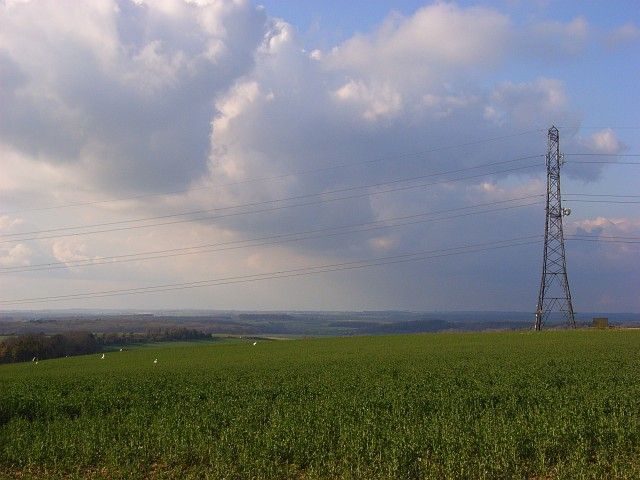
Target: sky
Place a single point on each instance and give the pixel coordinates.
(287, 155)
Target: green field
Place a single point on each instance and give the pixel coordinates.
(546, 405)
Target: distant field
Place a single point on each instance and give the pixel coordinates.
(173, 344)
(547, 405)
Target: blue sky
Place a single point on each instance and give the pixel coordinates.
(605, 80)
(121, 113)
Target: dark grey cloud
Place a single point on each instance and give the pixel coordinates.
(129, 97)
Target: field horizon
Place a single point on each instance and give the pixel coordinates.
(284, 323)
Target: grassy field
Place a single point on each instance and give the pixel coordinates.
(528, 405)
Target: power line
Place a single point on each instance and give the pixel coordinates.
(374, 224)
(305, 271)
(296, 197)
(599, 240)
(277, 177)
(591, 154)
(273, 239)
(358, 264)
(321, 201)
(600, 195)
(578, 200)
(605, 236)
(601, 162)
(308, 234)
(625, 127)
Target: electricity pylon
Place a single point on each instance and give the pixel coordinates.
(554, 295)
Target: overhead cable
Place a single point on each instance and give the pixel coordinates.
(357, 264)
(277, 177)
(38, 233)
(273, 239)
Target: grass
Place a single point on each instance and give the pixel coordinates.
(546, 405)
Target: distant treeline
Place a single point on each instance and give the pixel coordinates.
(153, 335)
(26, 347)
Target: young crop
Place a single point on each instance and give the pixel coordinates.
(563, 404)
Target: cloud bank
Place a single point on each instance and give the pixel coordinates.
(118, 98)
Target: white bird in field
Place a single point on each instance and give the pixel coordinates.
(120, 349)
(255, 343)
(102, 357)
(155, 361)
(33, 359)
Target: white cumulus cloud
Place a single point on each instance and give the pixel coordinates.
(624, 34)
(18, 255)
(604, 141)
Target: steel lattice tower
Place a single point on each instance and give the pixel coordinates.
(554, 295)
